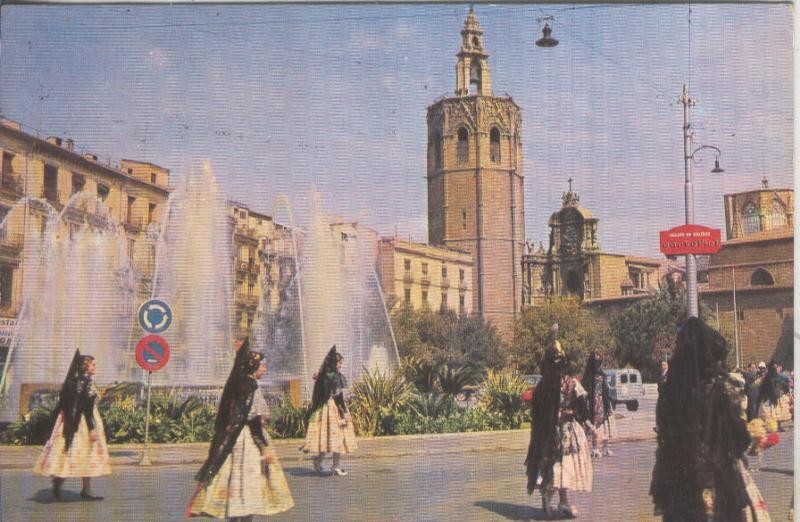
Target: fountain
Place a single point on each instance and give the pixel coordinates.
(78, 291)
(334, 298)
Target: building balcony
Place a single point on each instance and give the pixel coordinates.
(425, 279)
(462, 285)
(53, 196)
(12, 240)
(408, 278)
(10, 183)
(445, 283)
(134, 226)
(247, 299)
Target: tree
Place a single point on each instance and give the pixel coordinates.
(445, 337)
(581, 331)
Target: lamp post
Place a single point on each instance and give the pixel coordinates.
(688, 156)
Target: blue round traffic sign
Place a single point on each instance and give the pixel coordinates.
(155, 316)
(152, 352)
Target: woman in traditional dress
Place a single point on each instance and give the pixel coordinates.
(77, 445)
(241, 476)
(330, 428)
(601, 412)
(699, 474)
(558, 454)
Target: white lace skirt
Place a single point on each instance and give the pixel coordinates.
(326, 434)
(84, 457)
(241, 488)
(574, 471)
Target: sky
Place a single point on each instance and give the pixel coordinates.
(285, 98)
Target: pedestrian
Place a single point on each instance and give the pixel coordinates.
(662, 375)
(558, 454)
(241, 476)
(770, 392)
(330, 428)
(699, 473)
(77, 446)
(601, 412)
(751, 391)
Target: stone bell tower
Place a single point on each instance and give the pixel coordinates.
(475, 182)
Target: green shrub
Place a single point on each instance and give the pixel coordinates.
(34, 428)
(288, 421)
(500, 393)
(375, 401)
(465, 420)
(432, 405)
(452, 380)
(421, 373)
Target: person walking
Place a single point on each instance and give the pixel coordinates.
(241, 476)
(558, 454)
(330, 429)
(699, 473)
(77, 446)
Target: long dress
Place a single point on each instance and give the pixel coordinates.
(241, 487)
(573, 467)
(601, 413)
(327, 431)
(83, 458)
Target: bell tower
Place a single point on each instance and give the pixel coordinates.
(475, 182)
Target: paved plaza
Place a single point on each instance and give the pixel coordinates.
(473, 476)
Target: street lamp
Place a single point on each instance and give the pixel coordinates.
(546, 40)
(688, 156)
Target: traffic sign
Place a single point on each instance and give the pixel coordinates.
(152, 352)
(155, 316)
(690, 239)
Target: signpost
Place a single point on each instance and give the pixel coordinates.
(152, 353)
(690, 239)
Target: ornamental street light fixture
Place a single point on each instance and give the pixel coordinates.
(688, 157)
(546, 40)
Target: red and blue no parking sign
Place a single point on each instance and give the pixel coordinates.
(152, 352)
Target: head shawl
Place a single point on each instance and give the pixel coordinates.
(544, 419)
(700, 432)
(589, 381)
(326, 379)
(69, 405)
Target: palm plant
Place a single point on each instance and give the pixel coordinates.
(432, 405)
(375, 400)
(453, 379)
(421, 373)
(500, 392)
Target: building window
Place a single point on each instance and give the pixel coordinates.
(249, 319)
(242, 214)
(777, 218)
(153, 178)
(752, 221)
(239, 319)
(4, 210)
(251, 290)
(102, 192)
(151, 212)
(6, 285)
(740, 314)
(462, 150)
(435, 148)
(8, 170)
(761, 277)
(464, 219)
(78, 182)
(462, 304)
(424, 269)
(407, 295)
(131, 249)
(494, 145)
(424, 298)
(407, 264)
(50, 183)
(444, 272)
(444, 301)
(129, 213)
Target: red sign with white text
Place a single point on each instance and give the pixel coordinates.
(690, 239)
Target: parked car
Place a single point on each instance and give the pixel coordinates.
(625, 387)
(532, 380)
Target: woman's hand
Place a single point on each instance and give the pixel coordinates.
(267, 456)
(93, 436)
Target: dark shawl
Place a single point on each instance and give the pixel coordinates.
(701, 434)
(329, 383)
(543, 447)
(770, 389)
(589, 382)
(76, 399)
(233, 412)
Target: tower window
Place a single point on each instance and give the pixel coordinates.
(462, 150)
(761, 277)
(494, 145)
(475, 78)
(435, 148)
(752, 221)
(464, 219)
(102, 191)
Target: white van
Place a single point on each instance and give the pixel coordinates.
(625, 386)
